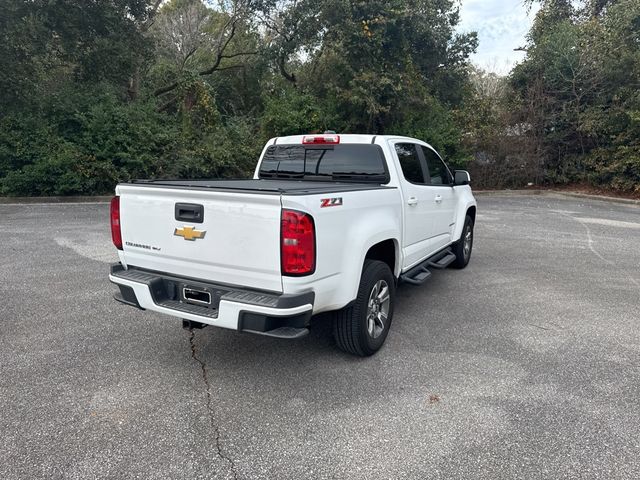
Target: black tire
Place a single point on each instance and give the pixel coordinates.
(351, 325)
(463, 256)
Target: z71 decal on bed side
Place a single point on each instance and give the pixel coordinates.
(331, 202)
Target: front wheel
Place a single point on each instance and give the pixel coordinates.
(463, 247)
(362, 327)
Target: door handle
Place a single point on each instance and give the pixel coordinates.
(413, 201)
(438, 198)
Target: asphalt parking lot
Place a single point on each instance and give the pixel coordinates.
(524, 366)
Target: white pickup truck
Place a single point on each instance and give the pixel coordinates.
(329, 223)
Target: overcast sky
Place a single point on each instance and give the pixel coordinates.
(502, 26)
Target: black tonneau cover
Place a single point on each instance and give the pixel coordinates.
(273, 187)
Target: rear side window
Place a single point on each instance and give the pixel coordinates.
(410, 163)
(355, 162)
(438, 171)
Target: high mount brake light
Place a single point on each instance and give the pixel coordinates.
(321, 140)
(297, 243)
(116, 233)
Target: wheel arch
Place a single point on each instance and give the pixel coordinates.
(466, 208)
(386, 251)
(471, 211)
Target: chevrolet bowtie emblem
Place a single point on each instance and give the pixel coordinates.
(189, 233)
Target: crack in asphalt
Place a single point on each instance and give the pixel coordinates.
(591, 245)
(210, 410)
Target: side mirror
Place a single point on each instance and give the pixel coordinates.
(462, 177)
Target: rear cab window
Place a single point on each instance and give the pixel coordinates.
(342, 162)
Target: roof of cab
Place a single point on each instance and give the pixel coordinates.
(344, 138)
(349, 138)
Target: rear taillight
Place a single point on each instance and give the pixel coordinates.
(116, 233)
(325, 139)
(298, 243)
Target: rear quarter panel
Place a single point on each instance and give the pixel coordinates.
(344, 234)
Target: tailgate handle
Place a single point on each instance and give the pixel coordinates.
(190, 212)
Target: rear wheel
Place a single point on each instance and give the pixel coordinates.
(463, 247)
(362, 328)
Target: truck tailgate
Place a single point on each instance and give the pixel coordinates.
(240, 235)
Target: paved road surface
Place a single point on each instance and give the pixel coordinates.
(525, 365)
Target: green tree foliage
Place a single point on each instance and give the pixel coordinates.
(93, 93)
(381, 64)
(578, 89)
